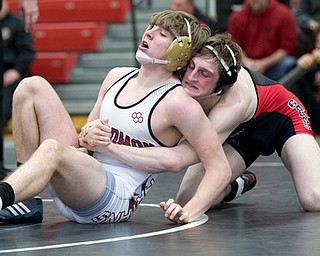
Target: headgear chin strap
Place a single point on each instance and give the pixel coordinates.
(144, 59)
(229, 74)
(177, 55)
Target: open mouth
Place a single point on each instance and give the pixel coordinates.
(144, 44)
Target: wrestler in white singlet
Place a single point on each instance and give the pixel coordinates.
(126, 186)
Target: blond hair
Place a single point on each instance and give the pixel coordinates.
(173, 21)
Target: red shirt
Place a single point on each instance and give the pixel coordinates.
(260, 35)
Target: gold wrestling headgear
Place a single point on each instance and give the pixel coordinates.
(178, 53)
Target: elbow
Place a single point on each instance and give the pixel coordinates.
(174, 164)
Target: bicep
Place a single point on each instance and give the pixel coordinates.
(95, 112)
(198, 131)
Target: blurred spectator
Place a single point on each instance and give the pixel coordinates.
(17, 56)
(189, 7)
(224, 9)
(266, 31)
(30, 13)
(308, 87)
(308, 20)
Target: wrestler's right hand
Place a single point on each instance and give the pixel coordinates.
(95, 135)
(174, 212)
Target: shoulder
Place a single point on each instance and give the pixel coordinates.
(232, 109)
(234, 99)
(281, 9)
(241, 98)
(113, 76)
(178, 100)
(116, 73)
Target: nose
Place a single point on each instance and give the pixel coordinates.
(149, 33)
(193, 75)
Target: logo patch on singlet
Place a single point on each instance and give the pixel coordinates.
(121, 138)
(295, 105)
(137, 117)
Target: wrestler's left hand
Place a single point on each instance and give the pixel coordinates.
(175, 212)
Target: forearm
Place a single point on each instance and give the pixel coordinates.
(212, 185)
(96, 136)
(155, 159)
(212, 182)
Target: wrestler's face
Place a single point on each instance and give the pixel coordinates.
(155, 42)
(201, 77)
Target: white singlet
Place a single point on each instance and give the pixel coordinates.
(126, 186)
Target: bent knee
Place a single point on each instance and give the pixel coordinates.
(51, 148)
(29, 86)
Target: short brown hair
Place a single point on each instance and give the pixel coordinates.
(219, 42)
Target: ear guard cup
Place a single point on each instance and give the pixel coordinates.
(227, 78)
(229, 74)
(179, 53)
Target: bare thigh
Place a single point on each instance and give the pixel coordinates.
(77, 178)
(80, 181)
